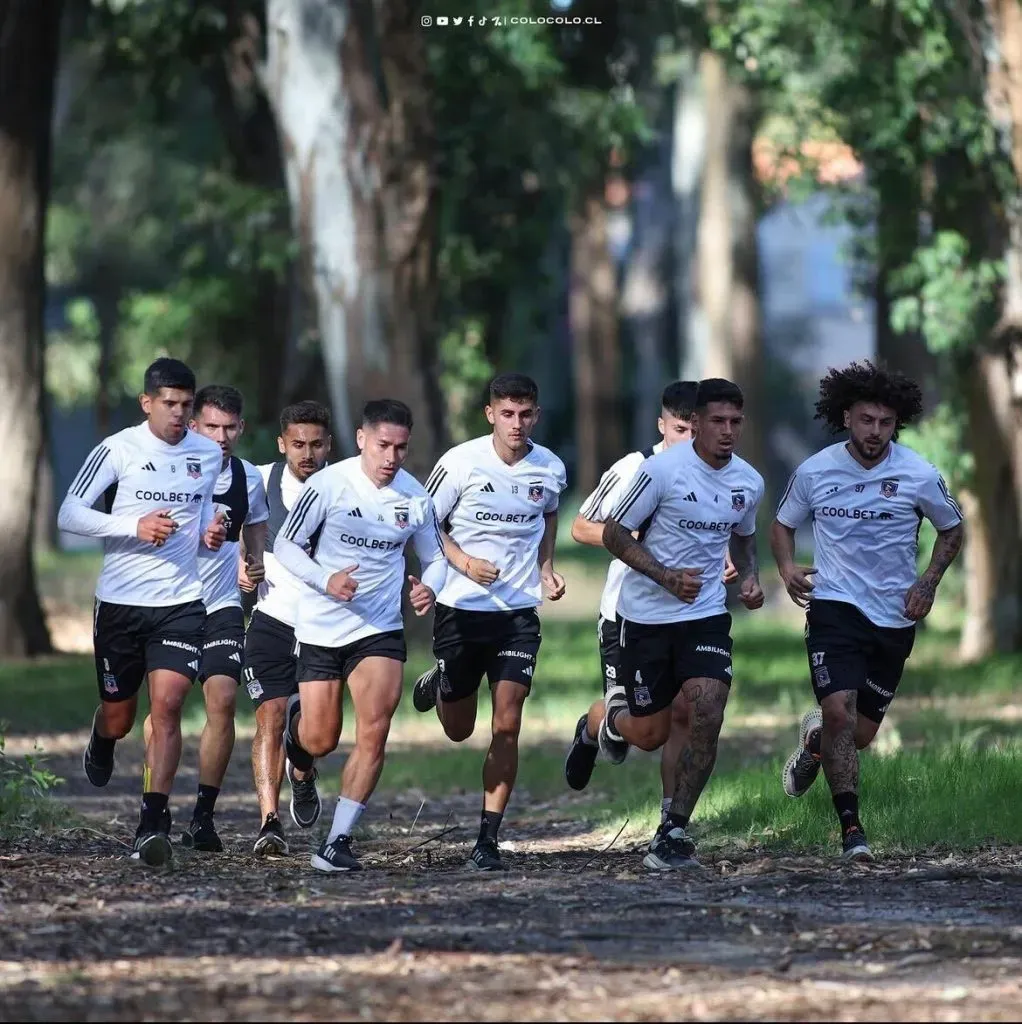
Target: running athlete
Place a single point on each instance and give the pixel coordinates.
(497, 497)
(674, 424)
(241, 498)
(866, 497)
(156, 481)
(359, 515)
(686, 503)
(269, 660)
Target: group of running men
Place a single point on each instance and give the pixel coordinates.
(189, 529)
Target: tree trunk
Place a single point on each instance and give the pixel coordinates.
(348, 83)
(29, 42)
(688, 155)
(592, 311)
(645, 294)
(728, 258)
(250, 131)
(994, 554)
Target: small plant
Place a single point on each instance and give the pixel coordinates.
(24, 787)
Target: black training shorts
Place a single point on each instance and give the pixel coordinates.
(131, 641)
(270, 664)
(849, 652)
(224, 644)
(608, 633)
(468, 645)
(321, 663)
(656, 660)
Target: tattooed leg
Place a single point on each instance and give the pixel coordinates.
(837, 748)
(706, 699)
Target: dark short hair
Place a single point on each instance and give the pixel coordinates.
(386, 410)
(220, 396)
(168, 373)
(515, 386)
(308, 412)
(679, 398)
(716, 389)
(865, 382)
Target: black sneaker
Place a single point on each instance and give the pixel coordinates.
(855, 848)
(306, 805)
(671, 850)
(271, 841)
(486, 856)
(336, 856)
(297, 755)
(151, 847)
(803, 766)
(581, 759)
(98, 758)
(613, 747)
(201, 835)
(424, 693)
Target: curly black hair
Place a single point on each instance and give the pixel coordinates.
(864, 382)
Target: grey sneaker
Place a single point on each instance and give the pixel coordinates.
(803, 766)
(671, 850)
(854, 847)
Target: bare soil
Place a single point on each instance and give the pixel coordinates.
(570, 932)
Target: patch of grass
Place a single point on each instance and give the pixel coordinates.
(954, 797)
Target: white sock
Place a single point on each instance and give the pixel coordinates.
(346, 816)
(665, 808)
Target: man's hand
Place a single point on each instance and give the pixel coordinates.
(245, 582)
(341, 585)
(255, 571)
(797, 583)
(216, 533)
(420, 596)
(553, 583)
(684, 584)
(156, 527)
(919, 599)
(730, 572)
(478, 570)
(751, 594)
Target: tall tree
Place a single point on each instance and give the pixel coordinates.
(994, 556)
(29, 43)
(348, 83)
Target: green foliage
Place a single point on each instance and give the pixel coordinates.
(950, 294)
(464, 373)
(940, 439)
(24, 785)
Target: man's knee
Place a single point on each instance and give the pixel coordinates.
(221, 699)
(165, 708)
(681, 714)
(839, 713)
(118, 718)
(650, 733)
(270, 718)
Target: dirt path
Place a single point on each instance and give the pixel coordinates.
(85, 934)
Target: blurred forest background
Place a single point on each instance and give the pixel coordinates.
(325, 198)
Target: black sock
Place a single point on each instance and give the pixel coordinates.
(612, 712)
(847, 807)
(298, 755)
(489, 825)
(205, 802)
(675, 821)
(102, 744)
(153, 806)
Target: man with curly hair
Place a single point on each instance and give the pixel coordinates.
(866, 497)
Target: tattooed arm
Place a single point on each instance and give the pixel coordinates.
(919, 599)
(684, 584)
(743, 554)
